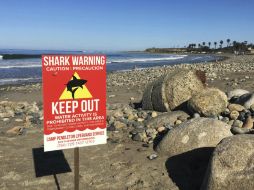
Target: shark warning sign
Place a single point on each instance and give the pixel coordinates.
(74, 100)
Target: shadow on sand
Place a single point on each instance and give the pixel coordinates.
(187, 170)
(49, 163)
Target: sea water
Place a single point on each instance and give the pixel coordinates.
(23, 70)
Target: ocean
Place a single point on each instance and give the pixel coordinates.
(24, 66)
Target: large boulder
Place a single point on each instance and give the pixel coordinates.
(168, 118)
(193, 134)
(209, 102)
(232, 165)
(172, 90)
(247, 100)
(236, 93)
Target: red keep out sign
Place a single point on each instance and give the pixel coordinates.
(74, 97)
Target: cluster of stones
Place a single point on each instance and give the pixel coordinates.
(214, 70)
(190, 117)
(23, 114)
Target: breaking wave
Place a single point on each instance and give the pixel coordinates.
(147, 59)
(16, 80)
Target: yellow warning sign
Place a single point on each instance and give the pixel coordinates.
(75, 89)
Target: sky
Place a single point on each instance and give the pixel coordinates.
(122, 24)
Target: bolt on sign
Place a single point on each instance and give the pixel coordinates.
(74, 97)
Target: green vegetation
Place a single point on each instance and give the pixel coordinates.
(206, 47)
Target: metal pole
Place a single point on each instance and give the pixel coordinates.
(76, 168)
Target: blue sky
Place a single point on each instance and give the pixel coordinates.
(122, 24)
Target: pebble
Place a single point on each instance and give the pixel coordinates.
(237, 123)
(18, 120)
(234, 115)
(225, 119)
(226, 112)
(231, 122)
(140, 119)
(140, 137)
(161, 129)
(112, 96)
(15, 131)
(235, 107)
(252, 108)
(249, 123)
(154, 114)
(152, 156)
(6, 119)
(177, 122)
(119, 125)
(196, 115)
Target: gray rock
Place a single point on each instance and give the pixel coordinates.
(231, 165)
(196, 115)
(209, 102)
(193, 134)
(236, 93)
(166, 118)
(237, 123)
(237, 130)
(172, 90)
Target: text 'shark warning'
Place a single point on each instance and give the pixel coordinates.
(74, 96)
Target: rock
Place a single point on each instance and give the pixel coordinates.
(209, 102)
(225, 119)
(235, 107)
(236, 93)
(178, 122)
(231, 122)
(119, 125)
(6, 119)
(18, 120)
(248, 123)
(131, 117)
(15, 131)
(132, 98)
(172, 90)
(196, 115)
(246, 100)
(237, 123)
(118, 113)
(161, 129)
(152, 156)
(252, 108)
(237, 130)
(231, 165)
(7, 114)
(112, 96)
(193, 134)
(166, 118)
(154, 114)
(140, 119)
(234, 115)
(147, 99)
(141, 136)
(150, 132)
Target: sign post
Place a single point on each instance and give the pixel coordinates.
(74, 100)
(76, 168)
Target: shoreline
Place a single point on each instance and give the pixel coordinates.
(216, 58)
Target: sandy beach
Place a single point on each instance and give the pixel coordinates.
(123, 162)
